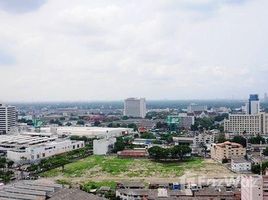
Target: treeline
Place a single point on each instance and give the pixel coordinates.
(59, 160)
(242, 140)
(5, 173)
(176, 152)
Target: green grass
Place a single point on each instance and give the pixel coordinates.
(96, 185)
(114, 166)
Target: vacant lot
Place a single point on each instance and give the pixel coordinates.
(111, 168)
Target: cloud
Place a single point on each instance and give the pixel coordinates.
(21, 6)
(6, 58)
(90, 50)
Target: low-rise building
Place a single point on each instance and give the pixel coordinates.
(133, 153)
(103, 146)
(227, 150)
(204, 139)
(240, 165)
(40, 148)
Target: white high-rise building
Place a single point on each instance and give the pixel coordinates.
(253, 105)
(252, 123)
(134, 107)
(7, 118)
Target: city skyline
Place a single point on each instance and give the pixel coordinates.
(110, 50)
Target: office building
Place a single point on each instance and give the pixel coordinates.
(253, 104)
(244, 124)
(7, 118)
(227, 150)
(134, 107)
(180, 121)
(265, 97)
(252, 123)
(196, 108)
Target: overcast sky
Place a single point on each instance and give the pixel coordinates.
(69, 50)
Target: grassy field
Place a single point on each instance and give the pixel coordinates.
(112, 166)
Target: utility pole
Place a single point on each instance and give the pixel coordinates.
(261, 151)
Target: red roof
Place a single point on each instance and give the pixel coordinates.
(133, 153)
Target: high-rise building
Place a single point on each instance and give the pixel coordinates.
(253, 105)
(7, 118)
(252, 123)
(265, 97)
(134, 107)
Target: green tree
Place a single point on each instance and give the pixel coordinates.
(179, 151)
(221, 138)
(119, 145)
(80, 122)
(156, 152)
(240, 140)
(265, 151)
(257, 140)
(97, 123)
(148, 135)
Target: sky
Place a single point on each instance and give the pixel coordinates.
(66, 50)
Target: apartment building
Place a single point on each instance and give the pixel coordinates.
(134, 107)
(204, 139)
(240, 165)
(227, 150)
(247, 124)
(8, 118)
(252, 123)
(254, 187)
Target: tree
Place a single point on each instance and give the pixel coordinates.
(148, 135)
(80, 122)
(134, 126)
(10, 163)
(257, 140)
(265, 152)
(240, 140)
(119, 145)
(97, 123)
(221, 138)
(156, 152)
(125, 117)
(182, 150)
(68, 124)
(161, 125)
(221, 117)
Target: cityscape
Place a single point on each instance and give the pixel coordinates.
(133, 100)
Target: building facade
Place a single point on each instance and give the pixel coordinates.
(240, 165)
(253, 122)
(241, 124)
(254, 187)
(253, 105)
(181, 120)
(134, 107)
(103, 146)
(227, 150)
(40, 151)
(196, 108)
(8, 118)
